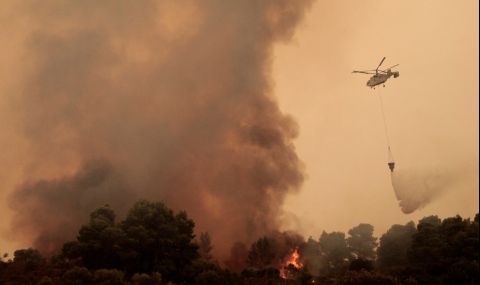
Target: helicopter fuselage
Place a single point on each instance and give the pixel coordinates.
(381, 78)
(377, 79)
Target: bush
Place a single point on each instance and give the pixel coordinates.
(77, 276)
(108, 277)
(365, 278)
(145, 279)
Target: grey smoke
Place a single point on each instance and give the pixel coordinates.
(168, 100)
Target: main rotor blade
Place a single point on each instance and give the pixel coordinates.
(381, 62)
(393, 66)
(359, 71)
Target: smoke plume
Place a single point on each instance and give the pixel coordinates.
(95, 183)
(164, 100)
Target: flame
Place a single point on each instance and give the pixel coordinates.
(292, 259)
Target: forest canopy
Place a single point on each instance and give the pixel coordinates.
(155, 245)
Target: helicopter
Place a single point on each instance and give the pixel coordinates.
(379, 76)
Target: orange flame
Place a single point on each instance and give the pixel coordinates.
(294, 260)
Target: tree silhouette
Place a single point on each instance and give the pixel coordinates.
(394, 244)
(447, 251)
(205, 246)
(100, 243)
(312, 257)
(361, 241)
(161, 240)
(262, 253)
(337, 254)
(238, 257)
(150, 239)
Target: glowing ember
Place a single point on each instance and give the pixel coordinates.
(292, 260)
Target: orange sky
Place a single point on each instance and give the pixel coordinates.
(431, 109)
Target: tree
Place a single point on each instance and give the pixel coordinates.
(304, 277)
(336, 252)
(262, 253)
(209, 273)
(429, 221)
(77, 275)
(428, 245)
(238, 257)
(45, 281)
(359, 264)
(28, 259)
(361, 241)
(365, 278)
(150, 239)
(108, 277)
(394, 245)
(312, 257)
(4, 257)
(145, 279)
(27, 267)
(161, 240)
(447, 251)
(100, 243)
(205, 246)
(209, 277)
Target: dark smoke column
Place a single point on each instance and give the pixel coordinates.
(164, 100)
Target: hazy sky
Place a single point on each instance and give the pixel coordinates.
(431, 109)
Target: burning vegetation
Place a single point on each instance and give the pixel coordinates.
(292, 263)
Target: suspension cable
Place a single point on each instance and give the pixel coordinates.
(390, 155)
